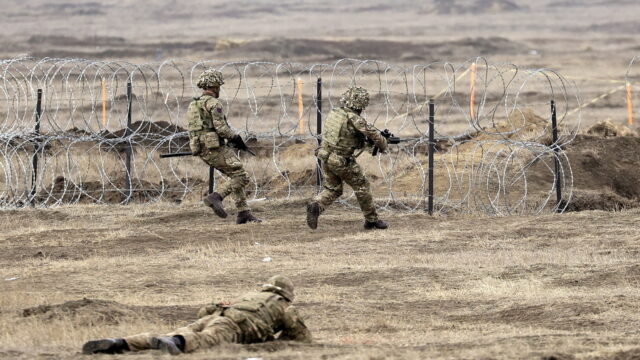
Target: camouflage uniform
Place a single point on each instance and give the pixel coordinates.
(207, 140)
(208, 134)
(254, 317)
(345, 131)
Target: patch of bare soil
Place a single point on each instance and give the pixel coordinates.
(627, 275)
(89, 312)
(447, 7)
(375, 49)
(607, 129)
(146, 133)
(633, 354)
(553, 316)
(608, 166)
(113, 191)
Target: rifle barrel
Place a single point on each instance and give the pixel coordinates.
(189, 153)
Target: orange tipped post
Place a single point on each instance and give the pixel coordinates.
(104, 103)
(629, 104)
(300, 107)
(472, 90)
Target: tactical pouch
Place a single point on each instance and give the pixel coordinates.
(194, 118)
(211, 140)
(322, 154)
(194, 145)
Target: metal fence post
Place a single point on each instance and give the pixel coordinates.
(556, 150)
(128, 150)
(319, 131)
(36, 149)
(432, 150)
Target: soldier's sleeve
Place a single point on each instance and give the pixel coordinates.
(370, 132)
(211, 309)
(294, 327)
(219, 122)
(206, 310)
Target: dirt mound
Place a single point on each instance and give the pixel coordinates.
(447, 7)
(113, 191)
(85, 311)
(146, 133)
(93, 311)
(599, 200)
(605, 172)
(523, 124)
(159, 128)
(607, 128)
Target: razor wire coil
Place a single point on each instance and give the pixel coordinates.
(492, 124)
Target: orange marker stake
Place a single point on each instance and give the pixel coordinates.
(472, 91)
(300, 107)
(629, 104)
(104, 103)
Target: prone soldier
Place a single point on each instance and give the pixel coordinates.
(345, 132)
(254, 317)
(209, 135)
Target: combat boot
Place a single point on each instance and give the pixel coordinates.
(313, 213)
(105, 346)
(214, 201)
(169, 345)
(246, 216)
(378, 224)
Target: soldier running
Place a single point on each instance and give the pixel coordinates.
(209, 132)
(253, 318)
(344, 132)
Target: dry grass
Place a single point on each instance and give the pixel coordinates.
(473, 287)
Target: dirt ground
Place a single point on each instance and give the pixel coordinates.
(450, 286)
(459, 287)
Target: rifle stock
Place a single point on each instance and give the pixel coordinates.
(242, 147)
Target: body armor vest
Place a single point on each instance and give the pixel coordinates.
(201, 130)
(199, 120)
(259, 315)
(339, 133)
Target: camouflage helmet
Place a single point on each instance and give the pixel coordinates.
(280, 285)
(356, 98)
(210, 78)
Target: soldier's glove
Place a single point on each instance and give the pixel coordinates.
(237, 140)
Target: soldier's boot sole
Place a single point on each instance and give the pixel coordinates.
(104, 346)
(313, 213)
(246, 217)
(214, 201)
(166, 345)
(379, 225)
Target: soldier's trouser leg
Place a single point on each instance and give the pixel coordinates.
(139, 342)
(226, 161)
(337, 169)
(355, 178)
(331, 187)
(206, 332)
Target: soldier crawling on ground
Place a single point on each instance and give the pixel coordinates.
(209, 132)
(345, 131)
(254, 317)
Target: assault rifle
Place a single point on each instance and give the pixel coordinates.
(391, 139)
(238, 143)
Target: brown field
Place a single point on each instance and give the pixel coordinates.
(443, 287)
(451, 286)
